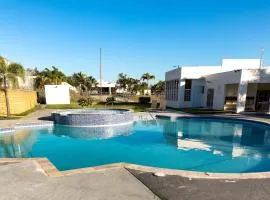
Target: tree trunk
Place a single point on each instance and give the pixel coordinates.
(6, 96)
(147, 87)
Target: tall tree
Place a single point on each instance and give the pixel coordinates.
(147, 76)
(55, 75)
(158, 88)
(142, 87)
(9, 74)
(91, 83)
(133, 85)
(49, 76)
(80, 81)
(122, 81)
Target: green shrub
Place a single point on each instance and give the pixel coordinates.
(91, 101)
(83, 102)
(110, 100)
(144, 100)
(74, 96)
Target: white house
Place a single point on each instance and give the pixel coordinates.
(237, 84)
(107, 87)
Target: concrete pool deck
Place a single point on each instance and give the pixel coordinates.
(24, 180)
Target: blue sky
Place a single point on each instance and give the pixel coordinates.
(136, 36)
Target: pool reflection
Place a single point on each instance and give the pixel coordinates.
(219, 136)
(18, 144)
(92, 132)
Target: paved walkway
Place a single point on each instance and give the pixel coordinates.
(38, 115)
(43, 114)
(23, 181)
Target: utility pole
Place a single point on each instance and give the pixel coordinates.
(261, 59)
(100, 74)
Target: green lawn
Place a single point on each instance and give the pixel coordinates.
(200, 111)
(9, 118)
(18, 116)
(136, 107)
(28, 111)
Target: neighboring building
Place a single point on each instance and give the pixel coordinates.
(145, 92)
(238, 84)
(108, 88)
(28, 82)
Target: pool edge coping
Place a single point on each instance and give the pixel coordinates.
(47, 168)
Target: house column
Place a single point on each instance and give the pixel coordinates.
(110, 90)
(269, 106)
(241, 97)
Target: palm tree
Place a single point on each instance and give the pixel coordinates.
(40, 80)
(122, 81)
(47, 76)
(133, 85)
(9, 73)
(147, 76)
(82, 82)
(55, 75)
(142, 87)
(79, 81)
(158, 88)
(91, 83)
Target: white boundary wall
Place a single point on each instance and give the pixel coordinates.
(57, 94)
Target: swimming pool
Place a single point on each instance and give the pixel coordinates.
(196, 144)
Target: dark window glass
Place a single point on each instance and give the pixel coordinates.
(188, 84)
(187, 95)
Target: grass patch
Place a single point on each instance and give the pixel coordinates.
(20, 115)
(201, 111)
(28, 111)
(63, 106)
(136, 107)
(9, 118)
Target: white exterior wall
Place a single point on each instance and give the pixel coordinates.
(197, 97)
(217, 82)
(57, 94)
(196, 94)
(173, 75)
(196, 72)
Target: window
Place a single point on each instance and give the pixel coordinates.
(202, 89)
(172, 90)
(188, 85)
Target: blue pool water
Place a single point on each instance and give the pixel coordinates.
(211, 145)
